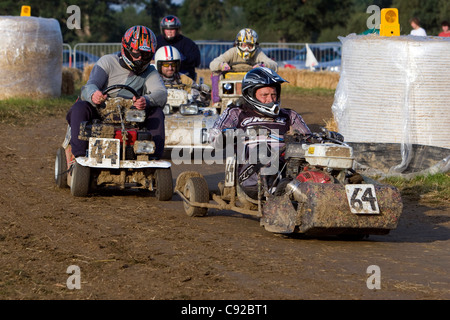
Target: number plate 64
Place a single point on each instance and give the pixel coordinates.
(362, 198)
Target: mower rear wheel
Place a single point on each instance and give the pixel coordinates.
(196, 190)
(61, 168)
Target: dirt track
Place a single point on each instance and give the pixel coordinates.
(130, 246)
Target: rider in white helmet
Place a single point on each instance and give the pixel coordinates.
(168, 63)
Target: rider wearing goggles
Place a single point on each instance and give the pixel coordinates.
(167, 61)
(169, 64)
(246, 42)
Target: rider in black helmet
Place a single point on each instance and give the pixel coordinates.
(259, 108)
(260, 78)
(171, 36)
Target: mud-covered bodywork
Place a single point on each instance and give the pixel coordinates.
(187, 122)
(188, 131)
(319, 209)
(346, 203)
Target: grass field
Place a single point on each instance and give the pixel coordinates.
(434, 188)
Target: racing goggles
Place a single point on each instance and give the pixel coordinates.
(247, 46)
(169, 64)
(145, 55)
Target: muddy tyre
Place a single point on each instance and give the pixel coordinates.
(80, 182)
(164, 184)
(61, 168)
(196, 190)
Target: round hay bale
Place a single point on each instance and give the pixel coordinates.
(310, 79)
(68, 82)
(393, 91)
(87, 72)
(76, 73)
(30, 57)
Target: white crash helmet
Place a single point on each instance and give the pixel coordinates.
(167, 54)
(250, 37)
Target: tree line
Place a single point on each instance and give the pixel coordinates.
(274, 20)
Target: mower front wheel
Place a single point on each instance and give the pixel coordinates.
(80, 182)
(164, 184)
(196, 190)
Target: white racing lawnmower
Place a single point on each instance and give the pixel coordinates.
(119, 153)
(187, 120)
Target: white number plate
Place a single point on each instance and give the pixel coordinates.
(104, 153)
(230, 171)
(362, 198)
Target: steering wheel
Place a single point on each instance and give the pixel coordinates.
(244, 66)
(121, 86)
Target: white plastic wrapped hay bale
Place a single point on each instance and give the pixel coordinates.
(393, 93)
(30, 57)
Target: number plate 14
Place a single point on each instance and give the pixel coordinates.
(362, 198)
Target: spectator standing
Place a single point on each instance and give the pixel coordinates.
(417, 29)
(445, 31)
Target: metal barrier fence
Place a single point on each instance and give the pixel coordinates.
(286, 54)
(67, 55)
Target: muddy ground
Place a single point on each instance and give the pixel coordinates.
(128, 245)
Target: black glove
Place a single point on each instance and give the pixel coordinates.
(335, 136)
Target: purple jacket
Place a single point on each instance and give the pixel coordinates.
(243, 117)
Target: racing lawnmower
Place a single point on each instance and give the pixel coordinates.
(230, 84)
(187, 120)
(119, 153)
(316, 191)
